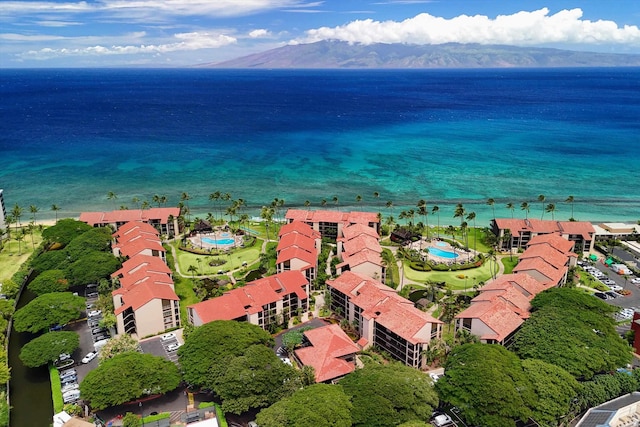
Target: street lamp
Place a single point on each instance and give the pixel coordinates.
(141, 413)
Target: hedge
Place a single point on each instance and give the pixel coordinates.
(56, 389)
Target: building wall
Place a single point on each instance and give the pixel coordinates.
(3, 210)
(369, 269)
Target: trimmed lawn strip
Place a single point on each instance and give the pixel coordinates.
(509, 264)
(157, 417)
(474, 276)
(56, 389)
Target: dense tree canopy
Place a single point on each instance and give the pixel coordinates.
(256, 379)
(213, 342)
(487, 383)
(94, 240)
(388, 395)
(49, 281)
(320, 405)
(584, 340)
(128, 376)
(50, 260)
(48, 310)
(46, 348)
(117, 345)
(65, 231)
(92, 267)
(555, 389)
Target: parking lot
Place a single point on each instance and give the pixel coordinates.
(164, 346)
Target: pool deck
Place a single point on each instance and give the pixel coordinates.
(197, 241)
(462, 257)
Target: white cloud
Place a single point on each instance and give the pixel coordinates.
(57, 23)
(522, 28)
(185, 42)
(257, 34)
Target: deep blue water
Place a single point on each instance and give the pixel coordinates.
(70, 136)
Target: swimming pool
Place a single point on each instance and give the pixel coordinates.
(217, 241)
(442, 254)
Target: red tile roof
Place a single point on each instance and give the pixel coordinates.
(293, 252)
(497, 315)
(526, 284)
(360, 243)
(250, 298)
(332, 216)
(555, 241)
(537, 226)
(144, 276)
(538, 264)
(151, 263)
(139, 295)
(126, 215)
(329, 345)
(134, 228)
(356, 230)
(362, 257)
(383, 304)
(578, 227)
(512, 297)
(298, 240)
(139, 245)
(546, 253)
(300, 228)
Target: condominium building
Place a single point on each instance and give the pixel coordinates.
(331, 223)
(359, 251)
(298, 249)
(266, 302)
(521, 231)
(164, 220)
(383, 318)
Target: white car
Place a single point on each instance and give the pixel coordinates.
(71, 396)
(70, 387)
(169, 336)
(173, 347)
(636, 281)
(442, 420)
(435, 377)
(89, 357)
(615, 287)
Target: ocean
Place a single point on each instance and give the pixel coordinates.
(70, 136)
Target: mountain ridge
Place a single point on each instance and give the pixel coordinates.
(334, 54)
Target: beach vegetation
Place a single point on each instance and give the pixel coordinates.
(319, 405)
(145, 375)
(48, 347)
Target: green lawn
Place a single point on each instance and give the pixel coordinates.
(233, 260)
(10, 261)
(472, 276)
(509, 263)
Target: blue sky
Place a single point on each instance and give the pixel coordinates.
(120, 33)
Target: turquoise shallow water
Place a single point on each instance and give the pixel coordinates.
(70, 136)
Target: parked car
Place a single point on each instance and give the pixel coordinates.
(92, 295)
(173, 347)
(94, 313)
(89, 357)
(613, 294)
(69, 387)
(71, 396)
(100, 337)
(169, 336)
(67, 372)
(64, 356)
(609, 282)
(615, 287)
(602, 295)
(441, 420)
(68, 381)
(636, 280)
(98, 330)
(70, 374)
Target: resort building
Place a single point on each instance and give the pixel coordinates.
(623, 411)
(615, 230)
(331, 223)
(521, 231)
(329, 351)
(3, 211)
(298, 248)
(382, 318)
(146, 302)
(360, 251)
(164, 220)
(265, 302)
(500, 308)
(503, 305)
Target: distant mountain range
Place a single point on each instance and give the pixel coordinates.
(333, 54)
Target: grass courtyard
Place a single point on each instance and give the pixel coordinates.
(456, 280)
(10, 261)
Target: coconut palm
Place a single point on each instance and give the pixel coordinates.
(16, 213)
(215, 197)
(136, 201)
(376, 195)
(359, 199)
(192, 269)
(472, 217)
(145, 205)
(422, 210)
(390, 207)
(525, 207)
(507, 238)
(323, 202)
(459, 212)
(112, 196)
(55, 208)
(511, 207)
(551, 207)
(185, 197)
(451, 230)
(571, 199)
(541, 199)
(335, 201)
(267, 213)
(34, 210)
(156, 199)
(307, 203)
(491, 202)
(436, 210)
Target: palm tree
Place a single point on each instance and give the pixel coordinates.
(145, 205)
(459, 212)
(507, 238)
(451, 230)
(551, 207)
(136, 201)
(215, 197)
(436, 209)
(359, 200)
(472, 217)
(390, 207)
(156, 199)
(491, 202)
(185, 197)
(192, 269)
(323, 202)
(464, 228)
(511, 207)
(525, 207)
(55, 208)
(335, 201)
(571, 199)
(307, 204)
(376, 195)
(541, 199)
(267, 213)
(422, 210)
(9, 219)
(34, 210)
(493, 259)
(112, 196)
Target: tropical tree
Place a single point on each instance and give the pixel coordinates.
(452, 231)
(319, 405)
(34, 210)
(48, 310)
(112, 196)
(55, 208)
(48, 347)
(307, 203)
(436, 210)
(49, 281)
(118, 345)
(136, 201)
(387, 395)
(541, 199)
(571, 200)
(267, 213)
(16, 213)
(472, 217)
(491, 202)
(323, 202)
(359, 199)
(422, 210)
(389, 206)
(215, 197)
(525, 207)
(145, 375)
(335, 201)
(551, 207)
(511, 207)
(459, 212)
